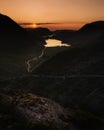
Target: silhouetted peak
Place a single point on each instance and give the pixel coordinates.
(94, 26)
(7, 24)
(97, 23)
(14, 37)
(11, 34)
(4, 19)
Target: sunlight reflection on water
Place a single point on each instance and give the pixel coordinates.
(55, 43)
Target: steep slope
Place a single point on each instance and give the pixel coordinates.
(14, 37)
(90, 33)
(16, 46)
(93, 27)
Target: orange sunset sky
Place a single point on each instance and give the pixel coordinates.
(73, 12)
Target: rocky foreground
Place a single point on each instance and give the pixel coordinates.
(31, 112)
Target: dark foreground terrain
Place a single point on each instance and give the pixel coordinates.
(65, 92)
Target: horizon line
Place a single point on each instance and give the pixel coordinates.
(43, 23)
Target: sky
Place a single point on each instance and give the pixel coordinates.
(53, 11)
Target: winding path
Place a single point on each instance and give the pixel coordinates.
(28, 62)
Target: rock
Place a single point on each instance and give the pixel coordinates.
(31, 111)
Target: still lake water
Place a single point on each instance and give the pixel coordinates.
(55, 43)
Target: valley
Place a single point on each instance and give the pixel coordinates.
(51, 88)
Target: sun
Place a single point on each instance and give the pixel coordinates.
(33, 25)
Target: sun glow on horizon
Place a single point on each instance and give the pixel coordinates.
(28, 25)
(54, 26)
(53, 10)
(33, 25)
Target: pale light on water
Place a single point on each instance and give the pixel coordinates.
(54, 43)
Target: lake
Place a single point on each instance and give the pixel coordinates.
(55, 43)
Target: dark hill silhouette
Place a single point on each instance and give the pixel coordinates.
(63, 35)
(89, 33)
(7, 24)
(16, 46)
(94, 26)
(42, 32)
(39, 33)
(15, 38)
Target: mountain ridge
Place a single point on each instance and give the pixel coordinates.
(14, 37)
(89, 33)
